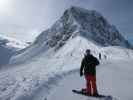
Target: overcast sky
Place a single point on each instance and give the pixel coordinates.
(25, 19)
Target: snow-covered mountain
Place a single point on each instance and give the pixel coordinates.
(12, 43)
(8, 47)
(89, 24)
(75, 22)
(59, 51)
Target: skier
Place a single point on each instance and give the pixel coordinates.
(105, 57)
(88, 66)
(100, 56)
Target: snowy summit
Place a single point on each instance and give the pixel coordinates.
(89, 24)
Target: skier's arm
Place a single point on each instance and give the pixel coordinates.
(82, 67)
(96, 61)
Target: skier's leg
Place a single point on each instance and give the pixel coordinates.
(84, 89)
(88, 85)
(94, 86)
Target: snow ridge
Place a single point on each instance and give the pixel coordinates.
(12, 43)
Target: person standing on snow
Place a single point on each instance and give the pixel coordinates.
(88, 68)
(100, 56)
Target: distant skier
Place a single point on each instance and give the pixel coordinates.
(88, 66)
(105, 57)
(100, 56)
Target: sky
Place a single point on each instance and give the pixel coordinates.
(25, 19)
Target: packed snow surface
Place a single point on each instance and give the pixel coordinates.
(113, 78)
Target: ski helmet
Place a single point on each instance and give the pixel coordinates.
(88, 51)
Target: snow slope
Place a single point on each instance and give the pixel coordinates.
(35, 79)
(113, 78)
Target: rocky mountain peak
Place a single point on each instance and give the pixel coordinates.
(89, 24)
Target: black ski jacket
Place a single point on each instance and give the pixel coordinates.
(88, 65)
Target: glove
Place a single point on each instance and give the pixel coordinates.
(81, 74)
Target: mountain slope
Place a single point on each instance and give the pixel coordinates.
(12, 43)
(89, 24)
(74, 22)
(8, 47)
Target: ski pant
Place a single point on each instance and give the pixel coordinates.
(91, 84)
